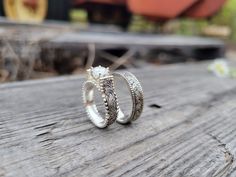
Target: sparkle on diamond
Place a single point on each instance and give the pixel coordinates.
(100, 72)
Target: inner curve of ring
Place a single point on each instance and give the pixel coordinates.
(91, 107)
(124, 118)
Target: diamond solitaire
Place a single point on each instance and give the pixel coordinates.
(99, 72)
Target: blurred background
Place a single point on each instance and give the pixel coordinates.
(45, 38)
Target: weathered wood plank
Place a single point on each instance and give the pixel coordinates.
(44, 130)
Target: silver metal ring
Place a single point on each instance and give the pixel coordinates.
(100, 78)
(136, 95)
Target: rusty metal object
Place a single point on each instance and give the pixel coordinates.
(26, 10)
(160, 8)
(205, 8)
(164, 9)
(156, 10)
(114, 2)
(33, 4)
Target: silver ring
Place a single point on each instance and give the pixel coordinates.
(100, 78)
(136, 95)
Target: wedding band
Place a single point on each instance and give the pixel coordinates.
(100, 78)
(136, 95)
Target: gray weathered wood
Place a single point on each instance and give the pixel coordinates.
(44, 130)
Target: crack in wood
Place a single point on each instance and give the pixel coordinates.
(46, 125)
(229, 157)
(155, 106)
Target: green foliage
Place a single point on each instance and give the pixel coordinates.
(78, 15)
(191, 27)
(227, 17)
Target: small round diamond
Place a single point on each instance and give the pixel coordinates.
(99, 71)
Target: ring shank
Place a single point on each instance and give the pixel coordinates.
(136, 93)
(91, 107)
(122, 117)
(105, 87)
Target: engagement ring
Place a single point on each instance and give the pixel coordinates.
(101, 79)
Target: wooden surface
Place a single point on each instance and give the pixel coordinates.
(37, 50)
(44, 130)
(135, 39)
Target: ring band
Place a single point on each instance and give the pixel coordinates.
(100, 78)
(136, 95)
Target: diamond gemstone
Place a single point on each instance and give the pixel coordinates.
(100, 71)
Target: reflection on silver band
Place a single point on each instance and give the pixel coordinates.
(136, 95)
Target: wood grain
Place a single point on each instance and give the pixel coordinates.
(188, 128)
